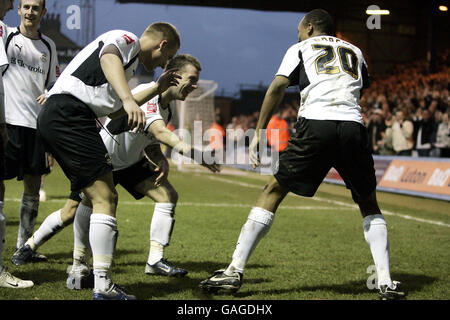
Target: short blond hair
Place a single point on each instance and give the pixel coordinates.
(169, 32)
(182, 60)
(42, 2)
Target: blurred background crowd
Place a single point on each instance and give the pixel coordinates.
(406, 113)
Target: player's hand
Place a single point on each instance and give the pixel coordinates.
(136, 117)
(212, 167)
(41, 99)
(168, 79)
(163, 170)
(4, 135)
(253, 151)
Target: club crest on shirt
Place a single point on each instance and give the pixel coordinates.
(128, 39)
(151, 108)
(44, 57)
(1, 31)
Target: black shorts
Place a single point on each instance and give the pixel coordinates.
(2, 160)
(75, 196)
(68, 128)
(132, 176)
(319, 145)
(24, 154)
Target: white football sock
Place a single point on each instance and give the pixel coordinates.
(81, 225)
(160, 230)
(29, 206)
(51, 226)
(2, 234)
(102, 237)
(257, 226)
(375, 233)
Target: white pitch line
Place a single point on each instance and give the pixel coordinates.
(340, 203)
(199, 204)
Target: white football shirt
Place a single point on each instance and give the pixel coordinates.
(330, 73)
(3, 36)
(3, 66)
(127, 148)
(84, 79)
(33, 65)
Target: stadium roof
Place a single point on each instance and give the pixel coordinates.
(345, 7)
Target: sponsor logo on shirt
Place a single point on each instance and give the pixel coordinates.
(22, 64)
(151, 108)
(128, 39)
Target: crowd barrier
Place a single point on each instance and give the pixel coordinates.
(422, 177)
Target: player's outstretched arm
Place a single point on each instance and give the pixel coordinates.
(157, 158)
(166, 80)
(272, 100)
(167, 137)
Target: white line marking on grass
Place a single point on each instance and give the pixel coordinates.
(340, 203)
(200, 204)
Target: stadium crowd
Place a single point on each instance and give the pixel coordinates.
(406, 113)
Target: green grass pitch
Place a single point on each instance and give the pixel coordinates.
(315, 249)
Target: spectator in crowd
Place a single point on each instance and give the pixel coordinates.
(279, 141)
(376, 129)
(216, 134)
(443, 136)
(402, 134)
(424, 132)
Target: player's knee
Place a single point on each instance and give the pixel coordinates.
(173, 196)
(114, 199)
(273, 187)
(31, 184)
(369, 205)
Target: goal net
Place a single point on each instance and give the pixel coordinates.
(193, 117)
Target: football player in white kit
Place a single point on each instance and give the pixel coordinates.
(87, 90)
(135, 157)
(7, 280)
(33, 68)
(330, 74)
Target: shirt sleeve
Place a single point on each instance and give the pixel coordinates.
(126, 42)
(152, 112)
(54, 68)
(290, 66)
(3, 57)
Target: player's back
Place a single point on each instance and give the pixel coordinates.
(332, 73)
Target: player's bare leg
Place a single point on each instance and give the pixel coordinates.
(376, 235)
(161, 227)
(257, 226)
(103, 236)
